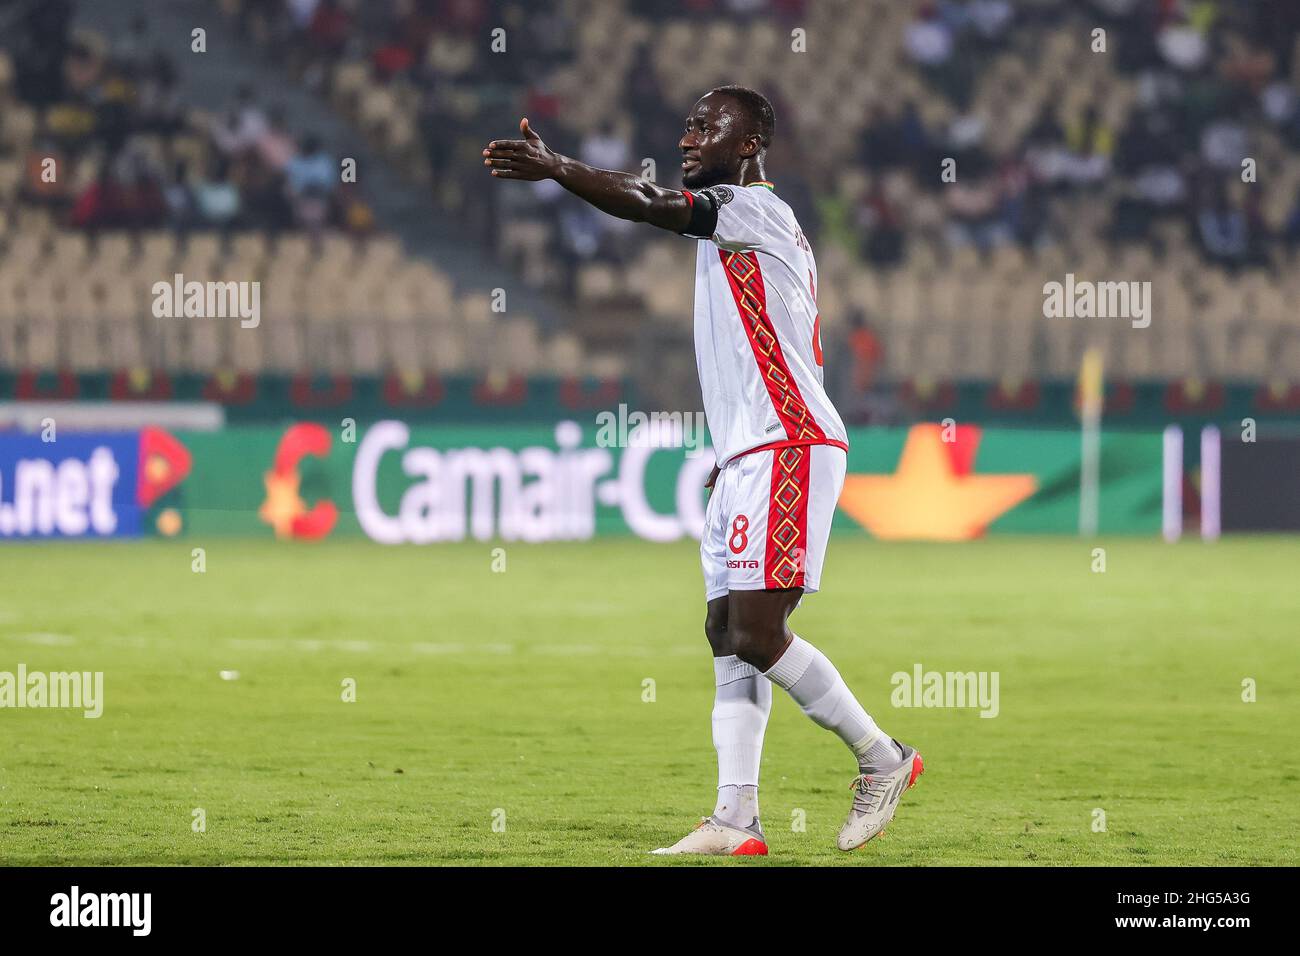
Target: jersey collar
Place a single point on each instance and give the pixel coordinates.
(764, 182)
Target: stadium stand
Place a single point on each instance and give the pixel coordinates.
(1118, 165)
(110, 181)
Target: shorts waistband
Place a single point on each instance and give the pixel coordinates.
(790, 443)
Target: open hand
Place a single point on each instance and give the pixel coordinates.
(528, 158)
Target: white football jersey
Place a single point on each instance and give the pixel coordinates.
(757, 330)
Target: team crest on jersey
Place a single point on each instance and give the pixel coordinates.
(721, 193)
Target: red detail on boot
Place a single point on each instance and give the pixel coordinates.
(918, 768)
(751, 847)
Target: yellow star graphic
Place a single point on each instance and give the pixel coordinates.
(282, 504)
(926, 499)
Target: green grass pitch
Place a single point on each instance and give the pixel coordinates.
(517, 697)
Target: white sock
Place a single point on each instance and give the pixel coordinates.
(741, 704)
(737, 805)
(817, 687)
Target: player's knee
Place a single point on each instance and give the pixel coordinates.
(715, 629)
(715, 632)
(754, 645)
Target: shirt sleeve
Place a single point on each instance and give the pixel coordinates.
(734, 217)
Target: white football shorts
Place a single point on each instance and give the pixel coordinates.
(769, 517)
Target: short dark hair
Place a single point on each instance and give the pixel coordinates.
(757, 107)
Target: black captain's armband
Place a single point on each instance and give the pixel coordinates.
(704, 213)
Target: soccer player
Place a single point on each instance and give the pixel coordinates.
(779, 443)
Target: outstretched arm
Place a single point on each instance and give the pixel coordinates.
(619, 194)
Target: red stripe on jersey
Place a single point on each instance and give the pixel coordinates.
(787, 518)
(746, 280)
(690, 199)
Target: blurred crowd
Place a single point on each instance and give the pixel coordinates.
(128, 152)
(1208, 77)
(946, 157)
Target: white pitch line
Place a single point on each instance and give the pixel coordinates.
(462, 647)
(128, 641)
(358, 647)
(48, 639)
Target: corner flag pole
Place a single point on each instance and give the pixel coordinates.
(1211, 470)
(1090, 403)
(1171, 520)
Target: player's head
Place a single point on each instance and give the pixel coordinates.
(725, 129)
